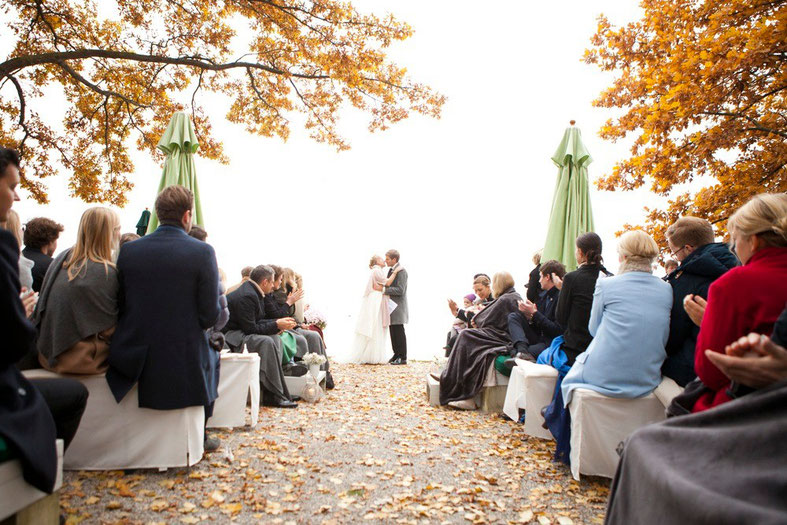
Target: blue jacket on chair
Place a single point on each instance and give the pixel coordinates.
(169, 296)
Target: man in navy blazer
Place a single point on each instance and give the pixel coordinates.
(169, 296)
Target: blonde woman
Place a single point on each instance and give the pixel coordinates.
(78, 306)
(14, 225)
(476, 348)
(748, 298)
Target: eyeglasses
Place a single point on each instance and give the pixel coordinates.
(675, 253)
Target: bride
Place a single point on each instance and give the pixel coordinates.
(372, 344)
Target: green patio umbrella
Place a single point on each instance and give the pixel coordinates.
(571, 213)
(179, 142)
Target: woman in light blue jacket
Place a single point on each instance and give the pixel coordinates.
(629, 322)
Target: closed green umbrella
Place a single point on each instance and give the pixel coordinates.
(179, 142)
(571, 213)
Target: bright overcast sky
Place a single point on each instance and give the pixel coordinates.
(465, 194)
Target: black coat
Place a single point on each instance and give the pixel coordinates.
(544, 319)
(247, 312)
(573, 308)
(41, 264)
(534, 284)
(169, 297)
(26, 423)
(694, 276)
(276, 306)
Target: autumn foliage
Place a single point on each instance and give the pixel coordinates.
(124, 67)
(701, 88)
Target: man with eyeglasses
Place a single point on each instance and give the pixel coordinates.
(701, 261)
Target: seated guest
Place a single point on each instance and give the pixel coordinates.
(483, 291)
(244, 276)
(476, 348)
(629, 323)
(78, 306)
(14, 225)
(533, 284)
(670, 266)
(702, 261)
(248, 325)
(40, 238)
(28, 426)
(169, 298)
(726, 464)
(215, 335)
(470, 308)
(127, 237)
(748, 298)
(532, 327)
(199, 233)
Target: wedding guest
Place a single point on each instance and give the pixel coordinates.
(748, 298)
(482, 287)
(215, 335)
(78, 307)
(249, 326)
(40, 238)
(476, 348)
(702, 261)
(670, 266)
(33, 414)
(244, 274)
(127, 237)
(533, 327)
(199, 233)
(533, 284)
(14, 225)
(169, 298)
(627, 331)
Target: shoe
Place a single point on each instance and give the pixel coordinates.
(509, 363)
(391, 361)
(294, 398)
(464, 404)
(294, 369)
(435, 376)
(211, 443)
(544, 416)
(400, 362)
(279, 403)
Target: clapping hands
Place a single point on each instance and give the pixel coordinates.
(528, 308)
(29, 300)
(695, 307)
(294, 297)
(753, 360)
(454, 308)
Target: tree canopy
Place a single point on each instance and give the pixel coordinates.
(125, 67)
(700, 87)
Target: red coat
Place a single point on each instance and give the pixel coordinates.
(746, 299)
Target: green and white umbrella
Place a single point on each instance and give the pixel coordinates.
(179, 142)
(571, 213)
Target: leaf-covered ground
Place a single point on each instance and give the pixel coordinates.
(373, 450)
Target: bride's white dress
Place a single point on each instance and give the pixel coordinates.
(372, 344)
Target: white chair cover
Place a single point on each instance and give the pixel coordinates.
(116, 436)
(534, 386)
(667, 391)
(239, 378)
(15, 492)
(599, 425)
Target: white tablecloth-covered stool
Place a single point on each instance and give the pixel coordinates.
(599, 424)
(295, 385)
(17, 495)
(239, 378)
(116, 436)
(530, 387)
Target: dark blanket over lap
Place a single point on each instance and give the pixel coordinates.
(721, 466)
(477, 348)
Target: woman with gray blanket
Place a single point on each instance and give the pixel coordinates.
(78, 306)
(476, 348)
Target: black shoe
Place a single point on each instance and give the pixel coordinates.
(279, 403)
(400, 361)
(294, 369)
(294, 397)
(544, 415)
(329, 384)
(509, 363)
(211, 443)
(391, 361)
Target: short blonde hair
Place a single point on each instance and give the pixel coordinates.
(501, 282)
(639, 249)
(765, 215)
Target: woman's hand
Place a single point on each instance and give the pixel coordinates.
(377, 287)
(753, 360)
(453, 307)
(294, 297)
(29, 300)
(695, 307)
(557, 281)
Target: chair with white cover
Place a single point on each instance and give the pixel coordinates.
(491, 397)
(20, 502)
(239, 380)
(600, 424)
(531, 387)
(117, 436)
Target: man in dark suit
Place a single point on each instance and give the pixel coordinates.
(169, 297)
(40, 240)
(397, 292)
(249, 325)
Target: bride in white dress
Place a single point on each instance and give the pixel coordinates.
(372, 345)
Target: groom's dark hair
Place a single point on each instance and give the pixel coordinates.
(393, 254)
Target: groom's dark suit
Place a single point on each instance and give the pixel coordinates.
(397, 292)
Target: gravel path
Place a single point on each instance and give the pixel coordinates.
(373, 450)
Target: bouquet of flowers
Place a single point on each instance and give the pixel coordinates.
(313, 359)
(315, 317)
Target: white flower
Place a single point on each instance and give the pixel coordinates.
(314, 359)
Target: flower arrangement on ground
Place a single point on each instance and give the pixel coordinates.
(312, 359)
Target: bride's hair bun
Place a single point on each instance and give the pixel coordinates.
(373, 261)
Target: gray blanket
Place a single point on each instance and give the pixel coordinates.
(69, 311)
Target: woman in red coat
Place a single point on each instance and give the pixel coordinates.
(748, 298)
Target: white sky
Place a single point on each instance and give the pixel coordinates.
(465, 194)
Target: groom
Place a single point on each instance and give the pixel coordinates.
(397, 292)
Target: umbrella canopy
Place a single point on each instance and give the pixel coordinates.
(571, 213)
(179, 143)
